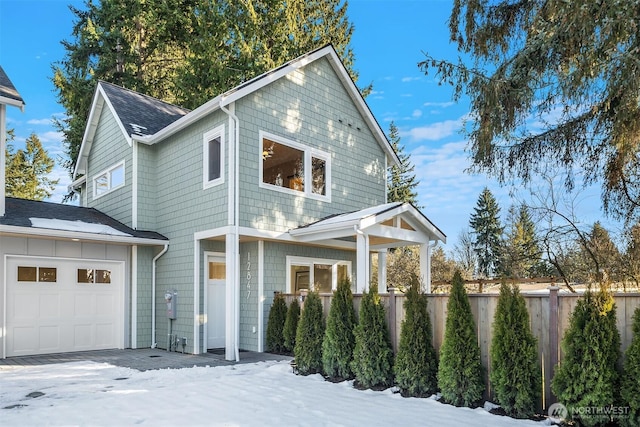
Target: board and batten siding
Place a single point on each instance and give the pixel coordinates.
(108, 149)
(307, 106)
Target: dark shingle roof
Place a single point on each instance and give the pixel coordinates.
(7, 89)
(141, 114)
(19, 213)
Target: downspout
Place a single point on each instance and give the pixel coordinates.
(154, 343)
(236, 227)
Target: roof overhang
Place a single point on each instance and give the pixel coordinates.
(13, 102)
(45, 233)
(387, 226)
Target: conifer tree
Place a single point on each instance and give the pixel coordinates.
(460, 374)
(275, 327)
(27, 170)
(373, 355)
(587, 375)
(401, 182)
(309, 335)
(416, 365)
(291, 325)
(631, 379)
(515, 374)
(339, 340)
(487, 230)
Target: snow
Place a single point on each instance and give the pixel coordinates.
(259, 394)
(61, 224)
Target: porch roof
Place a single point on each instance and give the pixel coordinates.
(387, 225)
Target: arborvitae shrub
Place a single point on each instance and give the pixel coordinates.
(631, 378)
(587, 376)
(373, 355)
(460, 374)
(416, 365)
(277, 316)
(515, 374)
(309, 335)
(291, 325)
(339, 341)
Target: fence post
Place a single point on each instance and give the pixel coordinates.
(553, 340)
(392, 319)
(303, 296)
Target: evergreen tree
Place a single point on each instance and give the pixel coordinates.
(373, 355)
(487, 230)
(606, 261)
(587, 375)
(630, 391)
(309, 336)
(416, 364)
(339, 340)
(275, 326)
(187, 51)
(515, 373)
(460, 374)
(522, 253)
(27, 171)
(291, 325)
(401, 181)
(631, 256)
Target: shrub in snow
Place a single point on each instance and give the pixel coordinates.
(416, 365)
(291, 325)
(587, 375)
(275, 326)
(631, 378)
(373, 355)
(339, 341)
(309, 335)
(460, 375)
(515, 374)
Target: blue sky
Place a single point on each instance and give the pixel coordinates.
(390, 38)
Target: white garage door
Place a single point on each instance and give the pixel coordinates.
(56, 306)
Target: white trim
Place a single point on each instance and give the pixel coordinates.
(3, 149)
(134, 296)
(308, 153)
(197, 317)
(134, 186)
(207, 137)
(13, 102)
(310, 261)
(108, 172)
(260, 295)
(78, 235)
(205, 297)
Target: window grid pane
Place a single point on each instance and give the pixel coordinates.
(85, 275)
(47, 274)
(103, 276)
(214, 159)
(27, 274)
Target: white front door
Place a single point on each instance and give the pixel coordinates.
(216, 285)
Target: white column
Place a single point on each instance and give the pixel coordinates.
(425, 266)
(382, 271)
(362, 256)
(230, 297)
(3, 147)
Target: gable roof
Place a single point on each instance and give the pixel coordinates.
(56, 220)
(393, 224)
(8, 93)
(136, 106)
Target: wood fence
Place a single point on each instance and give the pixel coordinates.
(549, 315)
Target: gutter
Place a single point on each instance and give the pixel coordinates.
(154, 344)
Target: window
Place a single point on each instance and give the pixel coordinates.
(213, 157)
(321, 275)
(108, 180)
(291, 167)
(89, 275)
(37, 274)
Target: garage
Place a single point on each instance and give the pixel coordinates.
(56, 305)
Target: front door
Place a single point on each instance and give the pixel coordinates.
(216, 285)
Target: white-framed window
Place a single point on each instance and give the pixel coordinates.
(213, 157)
(294, 168)
(108, 180)
(316, 274)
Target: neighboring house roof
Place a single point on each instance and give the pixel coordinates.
(8, 93)
(137, 104)
(390, 223)
(57, 220)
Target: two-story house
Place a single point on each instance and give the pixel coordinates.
(278, 184)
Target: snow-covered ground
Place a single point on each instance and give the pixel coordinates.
(260, 394)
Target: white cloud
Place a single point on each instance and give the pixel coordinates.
(434, 131)
(51, 137)
(439, 104)
(416, 114)
(44, 122)
(410, 79)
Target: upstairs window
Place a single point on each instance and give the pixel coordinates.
(213, 157)
(291, 167)
(109, 180)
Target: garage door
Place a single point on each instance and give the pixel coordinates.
(56, 306)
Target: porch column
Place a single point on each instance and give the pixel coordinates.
(425, 266)
(230, 297)
(382, 271)
(362, 257)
